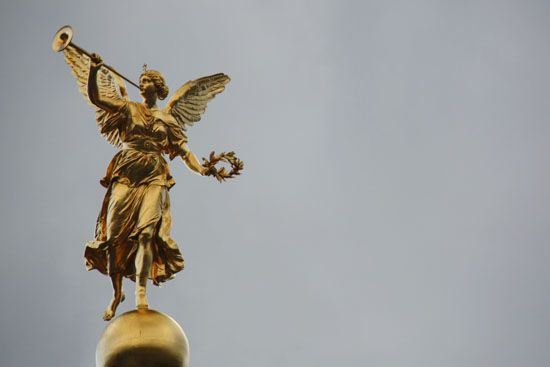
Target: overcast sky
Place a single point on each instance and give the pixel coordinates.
(395, 205)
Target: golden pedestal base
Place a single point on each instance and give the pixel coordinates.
(143, 338)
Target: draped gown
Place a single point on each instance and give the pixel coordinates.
(137, 181)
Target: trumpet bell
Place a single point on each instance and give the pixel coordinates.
(62, 38)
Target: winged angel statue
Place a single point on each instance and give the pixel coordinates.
(132, 236)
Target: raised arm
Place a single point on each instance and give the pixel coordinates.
(107, 104)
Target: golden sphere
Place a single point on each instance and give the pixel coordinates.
(143, 338)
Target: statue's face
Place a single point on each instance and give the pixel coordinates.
(146, 86)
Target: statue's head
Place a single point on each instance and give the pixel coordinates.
(153, 79)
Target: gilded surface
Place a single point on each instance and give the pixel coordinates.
(132, 236)
(143, 338)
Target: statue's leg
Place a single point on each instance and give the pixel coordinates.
(144, 258)
(116, 279)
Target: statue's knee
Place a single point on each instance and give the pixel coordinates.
(145, 236)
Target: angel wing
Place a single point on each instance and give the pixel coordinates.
(109, 85)
(189, 102)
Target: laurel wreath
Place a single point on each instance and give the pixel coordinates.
(221, 174)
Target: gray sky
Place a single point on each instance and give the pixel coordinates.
(394, 207)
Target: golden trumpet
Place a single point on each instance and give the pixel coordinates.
(63, 39)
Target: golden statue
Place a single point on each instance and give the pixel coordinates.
(132, 236)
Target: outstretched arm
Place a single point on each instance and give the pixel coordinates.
(192, 162)
(107, 104)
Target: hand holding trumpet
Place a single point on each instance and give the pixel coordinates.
(96, 61)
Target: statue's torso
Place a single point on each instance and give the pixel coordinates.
(145, 138)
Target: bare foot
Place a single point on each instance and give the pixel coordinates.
(111, 309)
(141, 299)
(108, 314)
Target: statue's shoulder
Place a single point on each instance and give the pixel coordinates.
(165, 117)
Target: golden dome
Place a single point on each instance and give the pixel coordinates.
(143, 338)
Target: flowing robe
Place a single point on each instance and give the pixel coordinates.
(137, 181)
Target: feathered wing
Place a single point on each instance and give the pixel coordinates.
(109, 85)
(189, 102)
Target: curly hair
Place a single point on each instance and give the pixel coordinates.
(158, 81)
